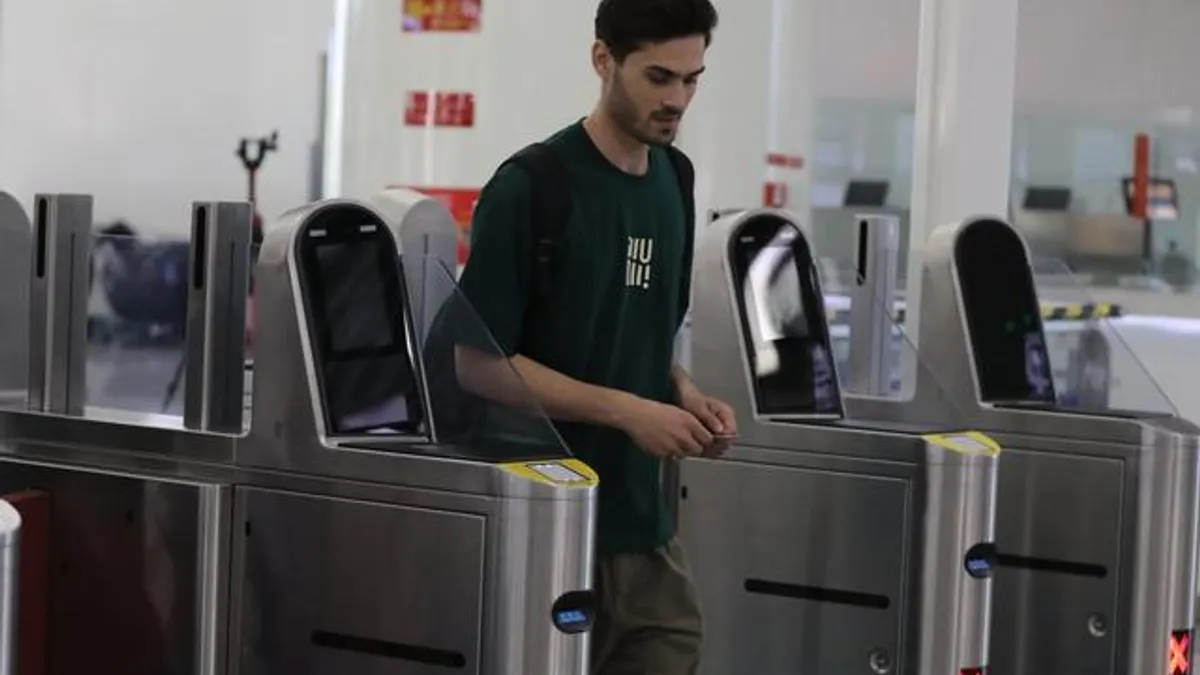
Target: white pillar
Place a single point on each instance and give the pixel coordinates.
(966, 72)
(725, 130)
(791, 107)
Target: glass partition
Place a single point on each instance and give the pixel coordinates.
(1095, 368)
(856, 356)
(480, 406)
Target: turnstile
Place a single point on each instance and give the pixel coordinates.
(1098, 509)
(343, 532)
(822, 544)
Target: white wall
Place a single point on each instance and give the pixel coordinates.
(142, 102)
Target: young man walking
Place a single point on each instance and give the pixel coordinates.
(598, 354)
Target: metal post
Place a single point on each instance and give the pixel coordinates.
(218, 282)
(872, 300)
(58, 303)
(16, 245)
(10, 541)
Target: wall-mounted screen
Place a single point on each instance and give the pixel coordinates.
(1004, 318)
(1162, 198)
(783, 320)
(1046, 198)
(356, 309)
(866, 193)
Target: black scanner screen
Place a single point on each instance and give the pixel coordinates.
(1004, 319)
(356, 315)
(783, 320)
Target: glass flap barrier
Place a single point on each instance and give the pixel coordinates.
(1094, 367)
(137, 317)
(857, 356)
(481, 408)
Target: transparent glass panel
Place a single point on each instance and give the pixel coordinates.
(855, 358)
(1094, 367)
(137, 316)
(480, 405)
(16, 250)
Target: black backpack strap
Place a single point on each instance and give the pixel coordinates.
(550, 210)
(685, 173)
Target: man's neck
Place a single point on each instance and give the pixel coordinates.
(625, 152)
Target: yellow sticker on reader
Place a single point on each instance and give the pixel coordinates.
(966, 443)
(564, 472)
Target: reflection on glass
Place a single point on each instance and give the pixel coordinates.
(783, 320)
(1094, 367)
(480, 405)
(137, 314)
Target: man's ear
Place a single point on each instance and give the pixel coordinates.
(602, 59)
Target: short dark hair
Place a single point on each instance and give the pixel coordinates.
(629, 25)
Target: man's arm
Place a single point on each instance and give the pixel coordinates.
(515, 380)
(681, 380)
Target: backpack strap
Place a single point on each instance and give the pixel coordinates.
(550, 210)
(685, 173)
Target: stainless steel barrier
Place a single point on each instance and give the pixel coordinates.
(822, 542)
(1098, 509)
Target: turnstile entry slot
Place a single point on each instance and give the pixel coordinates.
(817, 594)
(215, 350)
(389, 650)
(58, 304)
(871, 298)
(1034, 564)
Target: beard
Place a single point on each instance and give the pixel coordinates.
(629, 120)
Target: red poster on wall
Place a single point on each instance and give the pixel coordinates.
(455, 16)
(453, 109)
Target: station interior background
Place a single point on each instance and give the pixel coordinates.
(141, 102)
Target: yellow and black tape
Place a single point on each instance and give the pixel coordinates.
(1051, 311)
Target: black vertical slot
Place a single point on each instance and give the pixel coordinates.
(199, 246)
(42, 214)
(862, 252)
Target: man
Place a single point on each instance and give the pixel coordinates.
(601, 361)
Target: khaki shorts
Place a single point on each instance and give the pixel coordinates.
(649, 621)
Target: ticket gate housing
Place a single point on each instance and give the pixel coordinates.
(1097, 511)
(821, 544)
(341, 534)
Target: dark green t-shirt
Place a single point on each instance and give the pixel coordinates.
(620, 289)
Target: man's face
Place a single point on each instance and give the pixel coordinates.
(648, 92)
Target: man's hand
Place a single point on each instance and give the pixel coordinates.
(716, 415)
(663, 430)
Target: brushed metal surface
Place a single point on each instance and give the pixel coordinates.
(1097, 511)
(127, 589)
(10, 541)
(218, 283)
(826, 546)
(58, 303)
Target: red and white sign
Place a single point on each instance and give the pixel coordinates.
(455, 16)
(780, 167)
(454, 109)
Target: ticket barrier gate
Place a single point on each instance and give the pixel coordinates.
(344, 532)
(1097, 510)
(819, 543)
